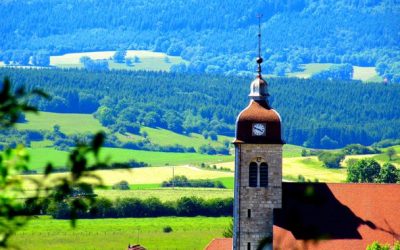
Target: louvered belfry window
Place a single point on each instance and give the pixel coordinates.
(263, 174)
(253, 174)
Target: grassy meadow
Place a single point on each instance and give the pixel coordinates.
(312, 169)
(39, 157)
(69, 123)
(148, 60)
(42, 152)
(167, 194)
(147, 175)
(45, 233)
(307, 70)
(365, 74)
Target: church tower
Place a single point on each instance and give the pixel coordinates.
(258, 169)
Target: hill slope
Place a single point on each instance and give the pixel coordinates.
(316, 113)
(217, 36)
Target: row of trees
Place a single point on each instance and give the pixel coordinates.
(342, 72)
(183, 181)
(150, 207)
(26, 58)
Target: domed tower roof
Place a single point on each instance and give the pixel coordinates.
(258, 123)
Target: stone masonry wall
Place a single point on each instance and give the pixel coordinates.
(261, 201)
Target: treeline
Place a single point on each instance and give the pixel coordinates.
(370, 171)
(134, 207)
(362, 32)
(341, 71)
(183, 181)
(316, 113)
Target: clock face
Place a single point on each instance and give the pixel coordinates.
(259, 129)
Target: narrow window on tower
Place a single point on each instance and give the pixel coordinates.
(253, 174)
(248, 213)
(263, 174)
(248, 246)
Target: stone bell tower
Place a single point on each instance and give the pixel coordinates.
(258, 169)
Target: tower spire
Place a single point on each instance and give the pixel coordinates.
(259, 58)
(258, 88)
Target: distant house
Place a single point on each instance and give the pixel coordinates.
(135, 247)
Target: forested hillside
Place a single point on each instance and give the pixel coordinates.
(316, 113)
(215, 36)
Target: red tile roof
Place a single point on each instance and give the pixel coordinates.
(337, 216)
(220, 244)
(334, 216)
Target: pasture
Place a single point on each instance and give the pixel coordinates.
(365, 74)
(148, 175)
(167, 194)
(166, 137)
(311, 168)
(69, 123)
(39, 157)
(382, 158)
(307, 70)
(148, 60)
(115, 234)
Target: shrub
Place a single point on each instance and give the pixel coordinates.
(369, 170)
(331, 160)
(167, 229)
(122, 185)
(358, 149)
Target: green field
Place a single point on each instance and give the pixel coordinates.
(188, 233)
(167, 194)
(69, 123)
(39, 157)
(365, 74)
(81, 123)
(382, 158)
(149, 60)
(307, 70)
(148, 175)
(166, 137)
(311, 168)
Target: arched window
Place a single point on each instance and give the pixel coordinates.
(263, 174)
(253, 174)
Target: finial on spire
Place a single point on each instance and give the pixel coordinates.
(259, 58)
(258, 88)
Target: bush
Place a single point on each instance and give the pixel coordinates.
(369, 170)
(331, 160)
(122, 185)
(167, 229)
(358, 149)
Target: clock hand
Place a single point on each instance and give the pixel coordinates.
(258, 129)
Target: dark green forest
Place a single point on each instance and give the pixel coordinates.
(316, 113)
(216, 37)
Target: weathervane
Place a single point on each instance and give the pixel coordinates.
(259, 58)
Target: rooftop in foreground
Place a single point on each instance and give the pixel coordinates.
(333, 216)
